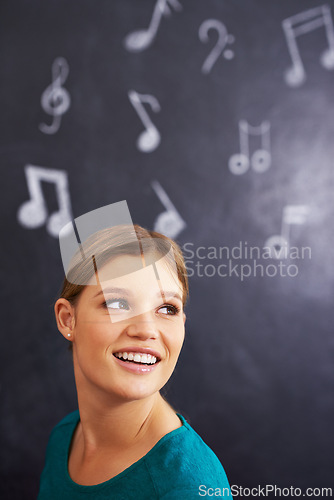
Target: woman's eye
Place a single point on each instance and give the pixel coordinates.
(116, 304)
(169, 309)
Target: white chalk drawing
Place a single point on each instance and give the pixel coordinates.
(150, 138)
(34, 213)
(170, 222)
(279, 244)
(224, 39)
(55, 99)
(261, 158)
(300, 24)
(142, 39)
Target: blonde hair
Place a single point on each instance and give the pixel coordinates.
(120, 240)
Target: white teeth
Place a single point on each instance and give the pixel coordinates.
(137, 357)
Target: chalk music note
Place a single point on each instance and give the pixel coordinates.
(302, 23)
(261, 158)
(279, 244)
(33, 213)
(224, 38)
(150, 138)
(55, 99)
(142, 39)
(170, 222)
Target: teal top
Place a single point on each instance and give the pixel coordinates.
(174, 468)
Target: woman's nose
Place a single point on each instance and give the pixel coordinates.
(143, 326)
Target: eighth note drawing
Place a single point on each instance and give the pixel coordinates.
(261, 158)
(150, 138)
(224, 38)
(142, 39)
(170, 222)
(302, 23)
(279, 244)
(55, 99)
(33, 213)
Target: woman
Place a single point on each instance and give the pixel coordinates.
(122, 310)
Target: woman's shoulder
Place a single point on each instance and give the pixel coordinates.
(63, 430)
(182, 461)
(69, 420)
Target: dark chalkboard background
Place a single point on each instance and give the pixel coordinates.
(255, 377)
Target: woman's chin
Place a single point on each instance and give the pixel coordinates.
(135, 393)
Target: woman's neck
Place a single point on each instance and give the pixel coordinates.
(108, 440)
(119, 424)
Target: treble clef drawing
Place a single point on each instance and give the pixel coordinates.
(55, 99)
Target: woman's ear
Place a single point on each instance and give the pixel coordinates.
(184, 317)
(64, 313)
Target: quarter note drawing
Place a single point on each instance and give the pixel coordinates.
(150, 138)
(55, 99)
(34, 213)
(224, 39)
(170, 222)
(301, 24)
(261, 158)
(279, 244)
(142, 39)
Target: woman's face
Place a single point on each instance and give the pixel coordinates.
(123, 324)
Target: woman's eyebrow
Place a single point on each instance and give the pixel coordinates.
(164, 294)
(169, 294)
(123, 291)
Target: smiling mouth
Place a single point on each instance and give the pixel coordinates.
(137, 358)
